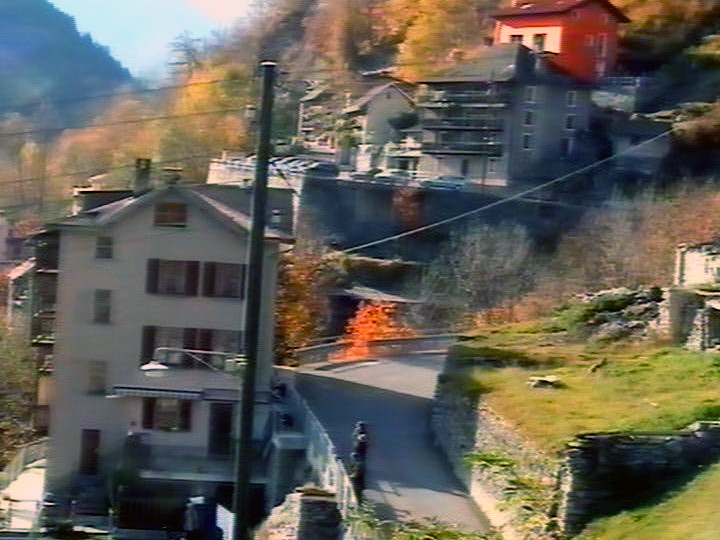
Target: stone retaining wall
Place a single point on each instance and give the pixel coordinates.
(529, 495)
(515, 497)
(606, 473)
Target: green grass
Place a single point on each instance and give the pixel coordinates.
(635, 387)
(689, 514)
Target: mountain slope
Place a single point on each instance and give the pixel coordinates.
(44, 57)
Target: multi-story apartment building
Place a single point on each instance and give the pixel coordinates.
(160, 268)
(581, 36)
(500, 117)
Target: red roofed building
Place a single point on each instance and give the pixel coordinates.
(580, 35)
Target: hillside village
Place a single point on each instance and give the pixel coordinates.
(435, 203)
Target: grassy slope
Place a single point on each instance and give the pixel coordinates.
(639, 387)
(691, 514)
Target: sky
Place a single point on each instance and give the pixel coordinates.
(138, 32)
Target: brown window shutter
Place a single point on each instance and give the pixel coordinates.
(151, 283)
(148, 344)
(192, 276)
(148, 408)
(209, 279)
(185, 415)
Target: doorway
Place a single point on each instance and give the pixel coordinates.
(89, 456)
(220, 429)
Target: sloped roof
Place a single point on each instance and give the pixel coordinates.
(495, 63)
(547, 7)
(221, 204)
(502, 62)
(360, 103)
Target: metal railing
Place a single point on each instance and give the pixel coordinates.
(450, 122)
(486, 148)
(440, 97)
(26, 454)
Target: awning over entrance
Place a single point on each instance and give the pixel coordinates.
(139, 391)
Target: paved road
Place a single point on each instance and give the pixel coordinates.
(407, 476)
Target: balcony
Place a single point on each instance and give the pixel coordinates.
(445, 98)
(483, 148)
(42, 327)
(462, 123)
(176, 462)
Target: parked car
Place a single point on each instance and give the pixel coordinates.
(446, 182)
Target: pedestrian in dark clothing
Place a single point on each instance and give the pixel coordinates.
(361, 445)
(360, 429)
(357, 475)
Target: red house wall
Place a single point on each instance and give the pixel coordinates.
(577, 55)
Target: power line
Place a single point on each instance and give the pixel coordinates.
(42, 102)
(504, 200)
(120, 122)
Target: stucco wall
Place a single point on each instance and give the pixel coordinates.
(118, 343)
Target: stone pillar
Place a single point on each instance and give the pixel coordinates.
(320, 518)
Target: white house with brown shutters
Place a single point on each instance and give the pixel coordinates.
(162, 268)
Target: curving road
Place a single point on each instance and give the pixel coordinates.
(407, 477)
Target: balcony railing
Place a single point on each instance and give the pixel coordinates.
(42, 327)
(163, 459)
(485, 148)
(445, 97)
(495, 124)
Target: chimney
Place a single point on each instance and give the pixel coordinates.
(142, 176)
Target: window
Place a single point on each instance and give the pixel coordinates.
(97, 372)
(602, 45)
(223, 280)
(104, 247)
(571, 98)
(170, 214)
(539, 42)
(172, 277)
(529, 118)
(166, 414)
(101, 305)
(570, 121)
(527, 141)
(492, 165)
(206, 339)
(530, 94)
(516, 38)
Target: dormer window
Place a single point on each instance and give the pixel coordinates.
(170, 214)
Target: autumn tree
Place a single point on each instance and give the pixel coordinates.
(301, 307)
(478, 268)
(16, 393)
(439, 29)
(372, 321)
(630, 243)
(207, 116)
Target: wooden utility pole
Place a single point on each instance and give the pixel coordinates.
(244, 455)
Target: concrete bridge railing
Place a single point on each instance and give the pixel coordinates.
(327, 352)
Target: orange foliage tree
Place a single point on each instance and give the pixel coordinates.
(630, 244)
(372, 321)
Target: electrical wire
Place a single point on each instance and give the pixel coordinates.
(504, 200)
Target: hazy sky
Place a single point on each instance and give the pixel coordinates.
(138, 32)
